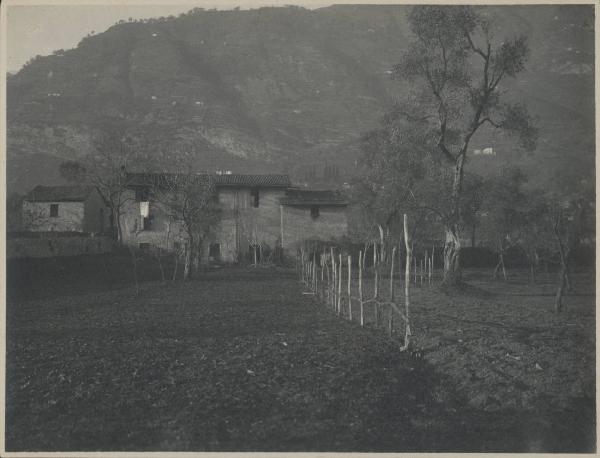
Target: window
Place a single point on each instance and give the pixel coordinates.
(214, 251)
(255, 199)
(54, 210)
(147, 223)
(142, 195)
(144, 246)
(314, 212)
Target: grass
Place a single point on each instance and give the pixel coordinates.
(241, 360)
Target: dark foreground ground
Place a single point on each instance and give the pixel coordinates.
(241, 360)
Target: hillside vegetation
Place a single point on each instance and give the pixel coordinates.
(278, 89)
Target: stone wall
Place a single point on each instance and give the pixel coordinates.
(163, 232)
(298, 225)
(45, 247)
(243, 225)
(36, 217)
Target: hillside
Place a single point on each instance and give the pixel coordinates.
(276, 89)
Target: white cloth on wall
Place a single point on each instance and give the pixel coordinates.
(145, 209)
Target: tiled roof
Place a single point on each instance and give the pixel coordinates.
(153, 179)
(281, 181)
(303, 197)
(59, 193)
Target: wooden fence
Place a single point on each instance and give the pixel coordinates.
(328, 275)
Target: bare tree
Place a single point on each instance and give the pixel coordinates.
(461, 66)
(106, 168)
(568, 226)
(191, 201)
(503, 213)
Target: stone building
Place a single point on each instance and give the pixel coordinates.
(312, 215)
(65, 209)
(260, 215)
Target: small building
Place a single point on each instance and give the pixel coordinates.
(65, 209)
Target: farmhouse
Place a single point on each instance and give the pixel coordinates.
(260, 214)
(65, 209)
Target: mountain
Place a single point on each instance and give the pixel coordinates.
(277, 89)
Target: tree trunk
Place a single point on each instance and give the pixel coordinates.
(558, 305)
(452, 271)
(117, 219)
(187, 261)
(500, 262)
(175, 268)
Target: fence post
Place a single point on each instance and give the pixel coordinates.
(426, 263)
(415, 266)
(360, 293)
(429, 266)
(341, 275)
(350, 287)
(391, 312)
(407, 332)
(376, 294)
(334, 277)
(392, 274)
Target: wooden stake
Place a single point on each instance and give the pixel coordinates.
(374, 254)
(339, 298)
(407, 243)
(376, 279)
(432, 259)
(350, 287)
(334, 274)
(429, 265)
(391, 316)
(392, 275)
(360, 292)
(426, 264)
(415, 266)
(376, 295)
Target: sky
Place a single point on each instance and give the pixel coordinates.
(41, 29)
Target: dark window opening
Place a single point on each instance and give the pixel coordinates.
(214, 251)
(314, 212)
(53, 210)
(255, 198)
(142, 195)
(144, 246)
(147, 223)
(177, 246)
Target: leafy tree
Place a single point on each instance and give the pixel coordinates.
(398, 175)
(456, 66)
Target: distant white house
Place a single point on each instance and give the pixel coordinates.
(484, 152)
(65, 209)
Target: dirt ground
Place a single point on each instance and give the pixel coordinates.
(241, 360)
